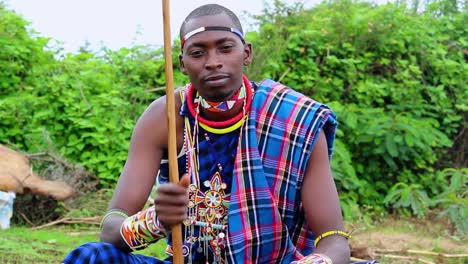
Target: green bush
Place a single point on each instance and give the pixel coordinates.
(397, 80)
(395, 77)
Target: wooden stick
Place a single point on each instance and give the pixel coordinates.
(27, 220)
(172, 135)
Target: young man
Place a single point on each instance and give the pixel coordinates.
(256, 185)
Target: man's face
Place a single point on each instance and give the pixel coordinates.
(214, 60)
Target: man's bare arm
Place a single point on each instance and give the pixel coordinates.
(321, 204)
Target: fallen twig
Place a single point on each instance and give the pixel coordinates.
(353, 259)
(32, 155)
(409, 258)
(78, 172)
(421, 252)
(95, 220)
(94, 233)
(26, 219)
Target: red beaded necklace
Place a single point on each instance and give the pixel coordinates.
(225, 123)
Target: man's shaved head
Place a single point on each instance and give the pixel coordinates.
(210, 10)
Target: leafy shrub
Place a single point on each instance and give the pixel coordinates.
(395, 77)
(453, 201)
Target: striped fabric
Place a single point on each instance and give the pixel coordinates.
(106, 253)
(220, 149)
(266, 217)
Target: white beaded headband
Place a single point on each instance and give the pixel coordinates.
(212, 28)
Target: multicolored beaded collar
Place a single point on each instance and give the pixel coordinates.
(212, 28)
(194, 110)
(222, 106)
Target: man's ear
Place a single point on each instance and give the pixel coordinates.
(247, 53)
(182, 65)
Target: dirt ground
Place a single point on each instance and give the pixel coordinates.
(409, 241)
(394, 240)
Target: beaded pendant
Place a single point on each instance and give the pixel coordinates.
(207, 208)
(206, 224)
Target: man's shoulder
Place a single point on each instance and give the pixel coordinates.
(160, 104)
(272, 87)
(156, 111)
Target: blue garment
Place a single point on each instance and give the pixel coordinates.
(266, 215)
(106, 253)
(214, 150)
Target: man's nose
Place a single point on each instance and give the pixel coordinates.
(213, 61)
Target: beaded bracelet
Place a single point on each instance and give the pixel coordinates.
(142, 229)
(330, 233)
(315, 258)
(113, 211)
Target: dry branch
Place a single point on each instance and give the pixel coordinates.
(156, 89)
(26, 219)
(409, 258)
(421, 252)
(353, 259)
(95, 220)
(78, 173)
(89, 233)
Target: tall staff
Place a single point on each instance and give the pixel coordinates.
(172, 143)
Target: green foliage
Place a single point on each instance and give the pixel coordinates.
(84, 105)
(405, 196)
(51, 245)
(19, 51)
(395, 77)
(21, 245)
(453, 201)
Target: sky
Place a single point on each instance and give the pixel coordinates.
(119, 23)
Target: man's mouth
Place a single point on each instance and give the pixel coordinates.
(216, 79)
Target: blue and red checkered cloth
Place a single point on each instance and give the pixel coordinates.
(266, 217)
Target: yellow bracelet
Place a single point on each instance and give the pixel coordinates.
(330, 233)
(112, 212)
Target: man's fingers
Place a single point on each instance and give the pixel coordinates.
(171, 201)
(180, 211)
(173, 189)
(185, 180)
(171, 219)
(163, 198)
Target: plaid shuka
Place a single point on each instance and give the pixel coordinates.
(266, 216)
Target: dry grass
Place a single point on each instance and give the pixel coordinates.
(394, 237)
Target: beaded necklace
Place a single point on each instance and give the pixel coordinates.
(207, 210)
(220, 124)
(206, 224)
(222, 106)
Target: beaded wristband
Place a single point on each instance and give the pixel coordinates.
(315, 259)
(330, 233)
(114, 211)
(142, 229)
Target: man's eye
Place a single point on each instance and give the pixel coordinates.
(196, 53)
(227, 47)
